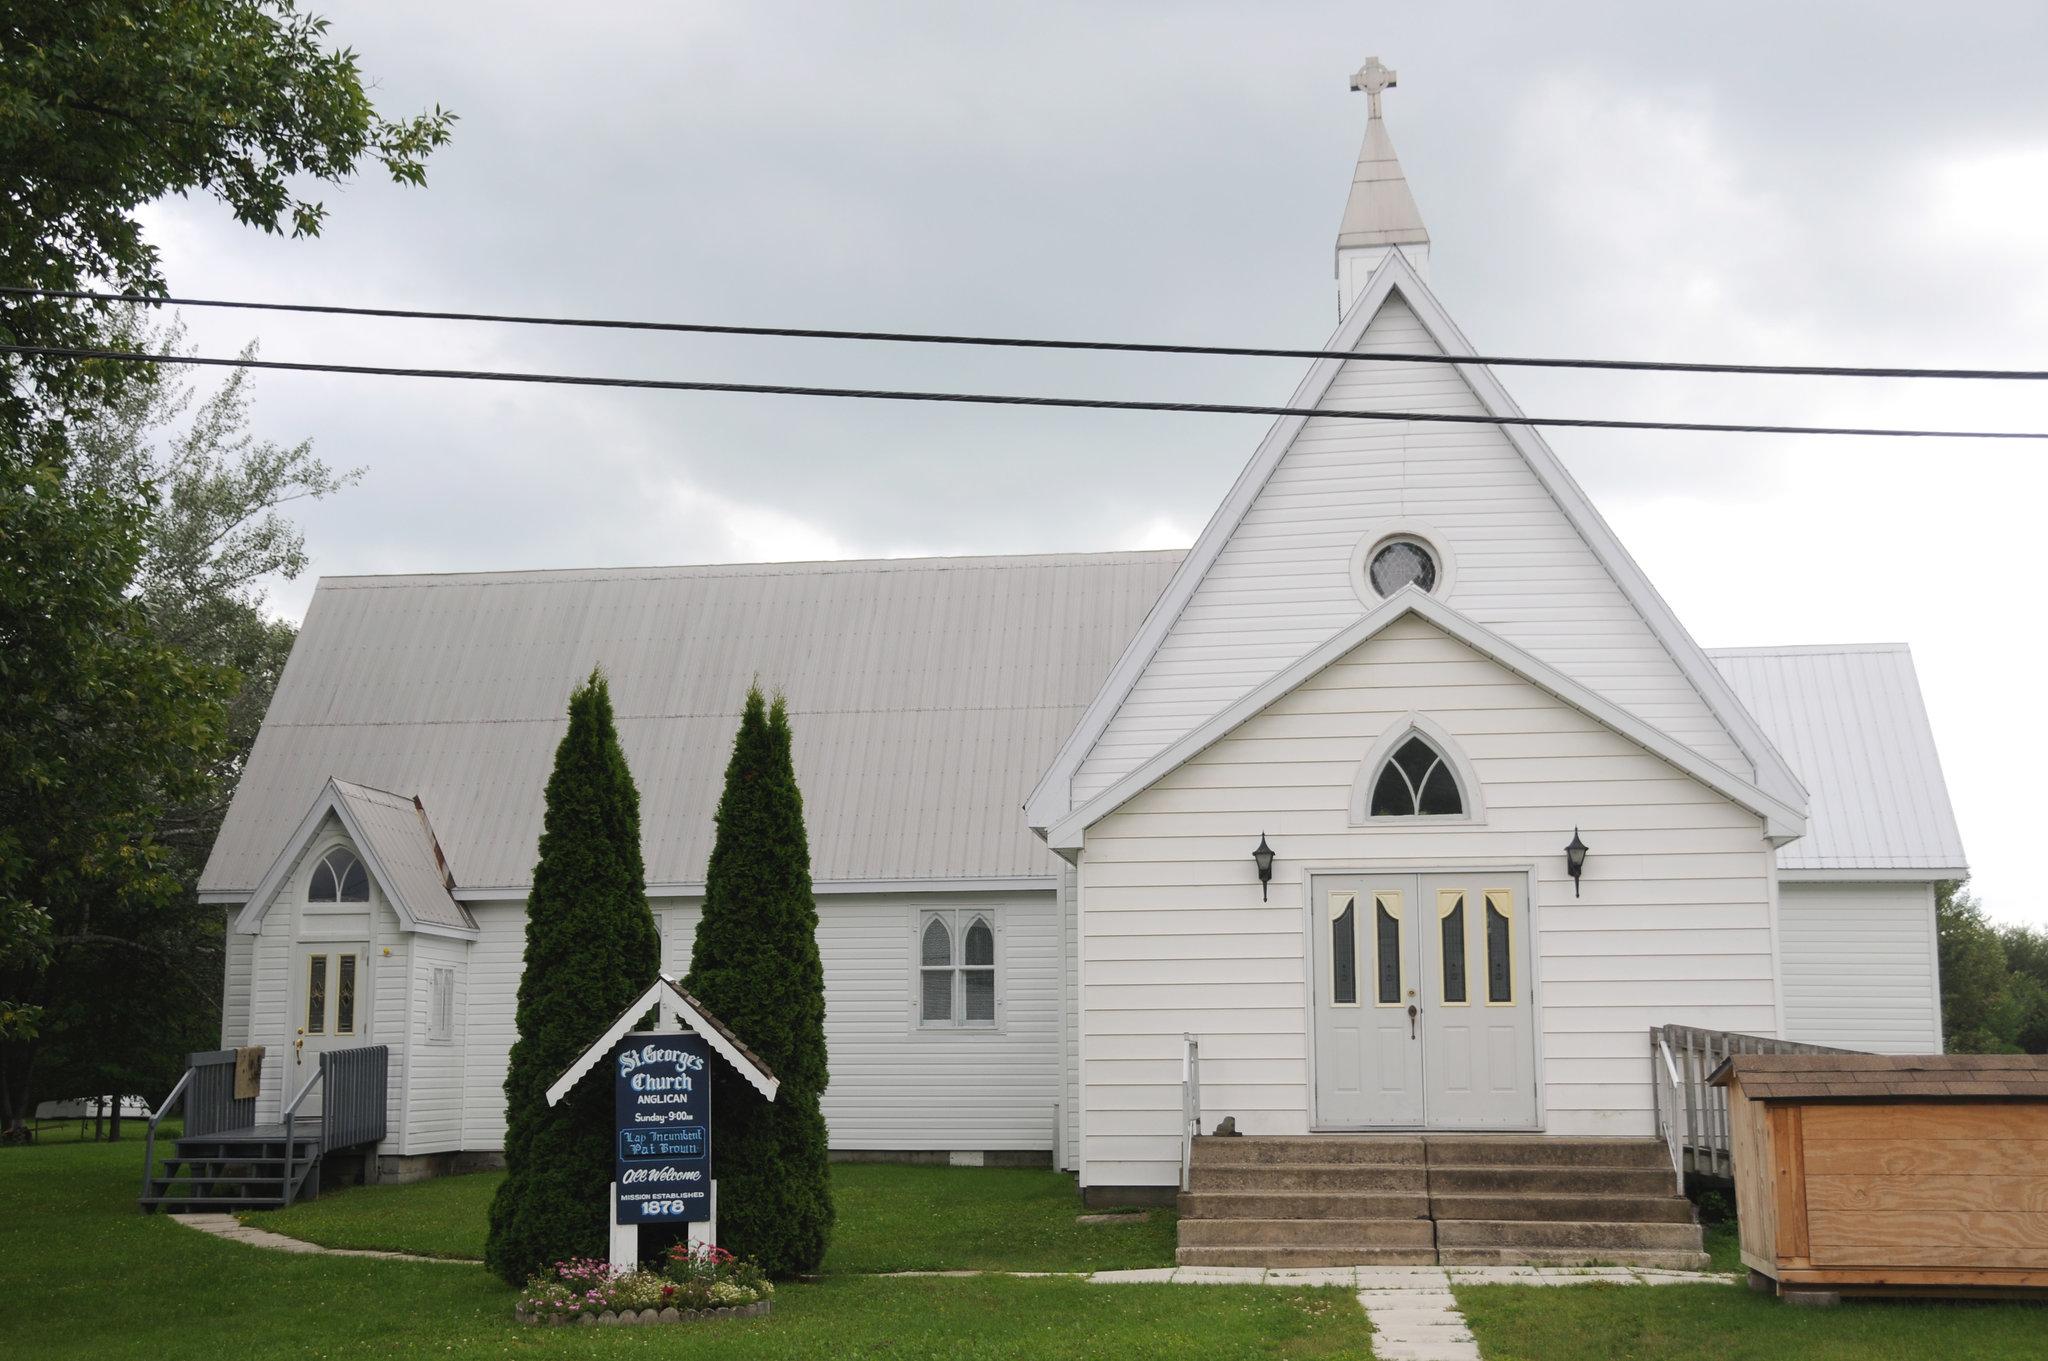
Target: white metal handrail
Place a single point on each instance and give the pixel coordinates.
(1190, 1103)
(1693, 1115)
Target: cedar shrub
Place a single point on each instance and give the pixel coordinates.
(755, 966)
(591, 949)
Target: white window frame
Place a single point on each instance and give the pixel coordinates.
(441, 1004)
(958, 921)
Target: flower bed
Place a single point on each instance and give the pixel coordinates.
(697, 1282)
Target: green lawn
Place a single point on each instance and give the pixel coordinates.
(891, 1218)
(83, 1274)
(1722, 1323)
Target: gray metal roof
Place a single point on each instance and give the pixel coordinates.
(1851, 722)
(926, 696)
(395, 836)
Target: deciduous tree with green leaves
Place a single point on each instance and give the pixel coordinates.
(591, 949)
(106, 105)
(104, 728)
(755, 965)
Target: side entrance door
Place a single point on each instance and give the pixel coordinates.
(330, 1009)
(1421, 1001)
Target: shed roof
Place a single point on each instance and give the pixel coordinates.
(1882, 1077)
(925, 694)
(1850, 721)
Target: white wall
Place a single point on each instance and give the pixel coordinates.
(1860, 965)
(1283, 582)
(436, 1092)
(490, 1018)
(1674, 924)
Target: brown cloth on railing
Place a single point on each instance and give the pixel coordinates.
(248, 1071)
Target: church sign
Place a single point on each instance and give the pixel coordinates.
(662, 1163)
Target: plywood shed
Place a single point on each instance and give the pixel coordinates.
(1891, 1174)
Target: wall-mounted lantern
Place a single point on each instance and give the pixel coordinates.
(1263, 858)
(1575, 860)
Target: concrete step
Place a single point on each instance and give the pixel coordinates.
(1661, 1259)
(1551, 1181)
(1521, 1150)
(1375, 1150)
(1255, 1255)
(1564, 1209)
(1334, 1177)
(1591, 1238)
(1418, 1234)
(1302, 1205)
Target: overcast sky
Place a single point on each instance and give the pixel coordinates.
(1836, 183)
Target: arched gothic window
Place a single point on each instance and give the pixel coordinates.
(957, 967)
(339, 878)
(1416, 781)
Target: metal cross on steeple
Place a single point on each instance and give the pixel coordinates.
(1372, 78)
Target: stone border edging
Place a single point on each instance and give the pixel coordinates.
(630, 1318)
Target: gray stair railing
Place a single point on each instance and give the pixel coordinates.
(352, 1106)
(351, 1083)
(207, 1090)
(1692, 1117)
(1190, 1103)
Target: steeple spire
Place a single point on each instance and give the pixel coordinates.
(1381, 214)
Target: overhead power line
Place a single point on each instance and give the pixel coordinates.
(1013, 342)
(996, 399)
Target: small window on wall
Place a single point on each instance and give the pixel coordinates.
(1416, 781)
(339, 878)
(1500, 949)
(441, 1006)
(956, 953)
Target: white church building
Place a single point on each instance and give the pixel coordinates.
(1409, 659)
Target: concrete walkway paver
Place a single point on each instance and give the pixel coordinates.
(235, 1231)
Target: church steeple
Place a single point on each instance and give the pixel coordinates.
(1381, 214)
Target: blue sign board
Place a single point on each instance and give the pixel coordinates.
(663, 1160)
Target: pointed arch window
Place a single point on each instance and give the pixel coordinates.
(339, 878)
(956, 969)
(1416, 781)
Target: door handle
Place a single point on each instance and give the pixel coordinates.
(1411, 1021)
(299, 1045)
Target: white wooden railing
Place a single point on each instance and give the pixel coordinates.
(1190, 1103)
(1692, 1117)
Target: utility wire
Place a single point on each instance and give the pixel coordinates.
(923, 338)
(997, 399)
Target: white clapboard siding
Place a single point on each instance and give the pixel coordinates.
(1860, 966)
(391, 1024)
(898, 1087)
(1673, 925)
(1283, 582)
(270, 1001)
(436, 1091)
(237, 986)
(491, 1018)
(1070, 1008)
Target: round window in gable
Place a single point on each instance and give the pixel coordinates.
(1401, 562)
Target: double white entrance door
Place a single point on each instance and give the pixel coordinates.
(1422, 1013)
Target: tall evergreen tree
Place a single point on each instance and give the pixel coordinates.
(756, 966)
(591, 948)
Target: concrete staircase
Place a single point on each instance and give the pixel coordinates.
(1413, 1200)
